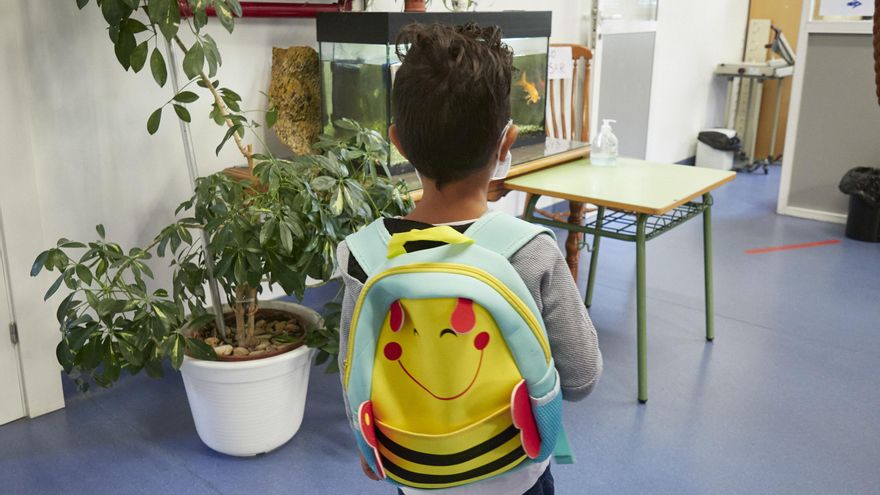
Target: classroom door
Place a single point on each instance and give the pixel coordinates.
(623, 64)
(11, 399)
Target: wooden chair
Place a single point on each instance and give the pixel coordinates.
(568, 117)
(568, 100)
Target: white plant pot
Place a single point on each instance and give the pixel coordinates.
(247, 408)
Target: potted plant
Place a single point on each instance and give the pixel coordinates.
(248, 236)
(415, 5)
(459, 5)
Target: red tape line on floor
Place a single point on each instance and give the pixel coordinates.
(790, 247)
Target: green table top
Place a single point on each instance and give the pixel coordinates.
(630, 184)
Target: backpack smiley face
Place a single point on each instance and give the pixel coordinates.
(440, 364)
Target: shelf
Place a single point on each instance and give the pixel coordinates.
(623, 225)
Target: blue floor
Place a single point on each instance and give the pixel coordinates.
(785, 401)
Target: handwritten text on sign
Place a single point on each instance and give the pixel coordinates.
(847, 7)
(559, 63)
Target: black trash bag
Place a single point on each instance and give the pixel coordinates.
(863, 182)
(719, 141)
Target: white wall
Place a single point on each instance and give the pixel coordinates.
(78, 154)
(22, 221)
(77, 151)
(693, 36)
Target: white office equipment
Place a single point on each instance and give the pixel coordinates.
(743, 108)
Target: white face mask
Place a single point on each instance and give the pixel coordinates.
(502, 167)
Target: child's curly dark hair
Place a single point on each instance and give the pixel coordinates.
(451, 97)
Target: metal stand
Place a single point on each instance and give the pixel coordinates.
(751, 129)
(755, 70)
(772, 157)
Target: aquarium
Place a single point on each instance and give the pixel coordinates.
(359, 60)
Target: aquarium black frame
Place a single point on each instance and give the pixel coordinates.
(383, 27)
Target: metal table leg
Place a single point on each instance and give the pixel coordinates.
(594, 257)
(707, 266)
(640, 228)
(641, 309)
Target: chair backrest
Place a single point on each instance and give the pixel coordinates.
(568, 100)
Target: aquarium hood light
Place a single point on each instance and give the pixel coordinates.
(383, 27)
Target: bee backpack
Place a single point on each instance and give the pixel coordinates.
(448, 371)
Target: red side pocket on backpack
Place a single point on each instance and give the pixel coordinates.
(367, 423)
(524, 420)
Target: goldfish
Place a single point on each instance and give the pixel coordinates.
(531, 92)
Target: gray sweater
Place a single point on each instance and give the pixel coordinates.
(572, 336)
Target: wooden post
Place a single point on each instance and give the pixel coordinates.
(572, 251)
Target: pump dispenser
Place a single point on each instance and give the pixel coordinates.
(604, 148)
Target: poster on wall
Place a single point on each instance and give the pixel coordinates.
(847, 8)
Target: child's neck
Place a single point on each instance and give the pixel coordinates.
(456, 202)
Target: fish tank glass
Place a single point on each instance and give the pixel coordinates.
(359, 61)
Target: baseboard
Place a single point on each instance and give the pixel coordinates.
(687, 161)
(810, 214)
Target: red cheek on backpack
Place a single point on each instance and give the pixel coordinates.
(481, 341)
(463, 318)
(396, 317)
(393, 351)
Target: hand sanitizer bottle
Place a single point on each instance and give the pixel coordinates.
(604, 148)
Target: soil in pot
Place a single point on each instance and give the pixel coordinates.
(275, 332)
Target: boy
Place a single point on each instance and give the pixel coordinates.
(451, 101)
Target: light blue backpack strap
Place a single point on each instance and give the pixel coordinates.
(562, 454)
(369, 246)
(503, 233)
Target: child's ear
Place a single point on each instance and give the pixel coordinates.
(508, 141)
(395, 140)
